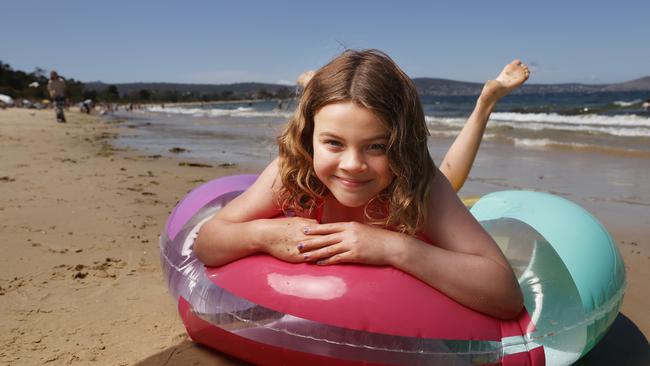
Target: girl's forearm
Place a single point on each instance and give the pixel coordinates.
(472, 280)
(220, 242)
(458, 161)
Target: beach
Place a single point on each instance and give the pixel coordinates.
(80, 278)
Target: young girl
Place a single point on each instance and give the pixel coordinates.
(356, 182)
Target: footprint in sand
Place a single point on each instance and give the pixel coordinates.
(108, 268)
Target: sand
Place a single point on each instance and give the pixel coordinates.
(80, 279)
(80, 276)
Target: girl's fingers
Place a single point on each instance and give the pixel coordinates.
(324, 253)
(316, 242)
(335, 259)
(323, 229)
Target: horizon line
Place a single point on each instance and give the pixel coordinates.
(278, 83)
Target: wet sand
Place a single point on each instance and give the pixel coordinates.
(80, 279)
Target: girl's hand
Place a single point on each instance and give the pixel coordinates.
(283, 234)
(350, 242)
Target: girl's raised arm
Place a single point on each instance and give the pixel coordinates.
(244, 227)
(459, 159)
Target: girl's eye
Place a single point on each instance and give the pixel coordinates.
(377, 147)
(333, 143)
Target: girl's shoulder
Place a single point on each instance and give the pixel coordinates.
(260, 200)
(269, 182)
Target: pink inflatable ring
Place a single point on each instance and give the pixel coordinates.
(270, 312)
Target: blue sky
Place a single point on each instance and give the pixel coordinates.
(273, 41)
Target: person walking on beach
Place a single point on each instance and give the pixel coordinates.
(56, 88)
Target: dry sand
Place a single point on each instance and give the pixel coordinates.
(80, 279)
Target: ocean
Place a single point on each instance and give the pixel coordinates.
(239, 132)
(593, 149)
(610, 122)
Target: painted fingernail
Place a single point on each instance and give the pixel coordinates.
(300, 246)
(306, 256)
(305, 230)
(320, 262)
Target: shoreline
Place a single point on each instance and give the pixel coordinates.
(239, 101)
(81, 281)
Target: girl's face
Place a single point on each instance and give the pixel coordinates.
(350, 153)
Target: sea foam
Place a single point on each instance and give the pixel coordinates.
(618, 125)
(220, 112)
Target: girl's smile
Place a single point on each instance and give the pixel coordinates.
(350, 153)
(351, 182)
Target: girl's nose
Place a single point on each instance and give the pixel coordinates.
(353, 161)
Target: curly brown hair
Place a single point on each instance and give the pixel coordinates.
(371, 79)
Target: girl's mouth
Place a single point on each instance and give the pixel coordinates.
(351, 182)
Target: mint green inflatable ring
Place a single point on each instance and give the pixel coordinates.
(570, 271)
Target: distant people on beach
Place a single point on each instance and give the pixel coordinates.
(56, 88)
(86, 106)
(6, 101)
(105, 108)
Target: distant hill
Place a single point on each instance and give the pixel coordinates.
(19, 84)
(430, 86)
(425, 86)
(641, 84)
(439, 87)
(236, 88)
